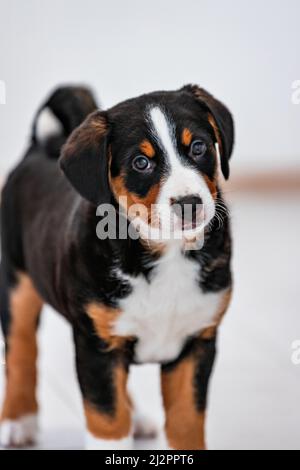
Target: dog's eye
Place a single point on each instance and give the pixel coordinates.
(197, 149)
(141, 163)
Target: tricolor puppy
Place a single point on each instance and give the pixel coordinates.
(129, 299)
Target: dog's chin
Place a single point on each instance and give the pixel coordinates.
(160, 233)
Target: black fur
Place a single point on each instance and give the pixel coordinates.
(205, 360)
(85, 161)
(95, 368)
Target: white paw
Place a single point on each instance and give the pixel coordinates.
(19, 432)
(143, 427)
(94, 443)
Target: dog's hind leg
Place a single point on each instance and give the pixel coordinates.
(20, 308)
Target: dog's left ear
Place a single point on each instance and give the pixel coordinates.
(220, 119)
(84, 158)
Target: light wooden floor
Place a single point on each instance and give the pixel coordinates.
(255, 390)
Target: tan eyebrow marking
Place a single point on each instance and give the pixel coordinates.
(186, 137)
(147, 148)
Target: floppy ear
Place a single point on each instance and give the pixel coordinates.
(221, 121)
(84, 158)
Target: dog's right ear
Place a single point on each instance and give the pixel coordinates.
(84, 158)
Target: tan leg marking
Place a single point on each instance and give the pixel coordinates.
(184, 423)
(104, 318)
(117, 425)
(25, 307)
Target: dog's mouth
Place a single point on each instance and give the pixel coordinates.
(189, 220)
(167, 224)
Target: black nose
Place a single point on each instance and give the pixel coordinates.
(187, 208)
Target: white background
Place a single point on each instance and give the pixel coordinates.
(244, 52)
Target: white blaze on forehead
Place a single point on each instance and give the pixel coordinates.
(164, 133)
(182, 180)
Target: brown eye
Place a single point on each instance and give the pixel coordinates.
(141, 163)
(197, 149)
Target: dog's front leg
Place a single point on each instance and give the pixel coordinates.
(103, 379)
(184, 389)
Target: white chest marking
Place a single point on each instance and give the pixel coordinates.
(163, 313)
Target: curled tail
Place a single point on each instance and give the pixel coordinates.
(63, 111)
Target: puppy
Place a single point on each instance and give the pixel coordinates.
(149, 293)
